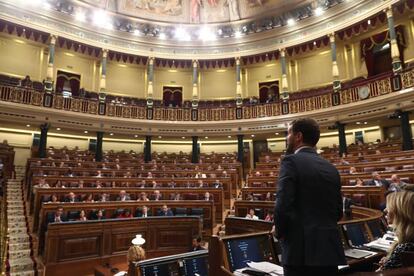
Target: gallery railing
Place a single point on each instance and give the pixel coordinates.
(299, 102)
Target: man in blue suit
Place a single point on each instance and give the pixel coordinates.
(165, 211)
(308, 206)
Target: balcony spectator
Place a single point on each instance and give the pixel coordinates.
(126, 213)
(143, 197)
(269, 216)
(104, 197)
(26, 82)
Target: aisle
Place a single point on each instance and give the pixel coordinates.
(19, 253)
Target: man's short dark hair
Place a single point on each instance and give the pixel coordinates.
(309, 129)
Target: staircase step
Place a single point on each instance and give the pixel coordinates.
(19, 254)
(24, 264)
(19, 246)
(23, 273)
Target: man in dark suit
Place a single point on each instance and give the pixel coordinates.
(378, 181)
(165, 211)
(71, 198)
(57, 216)
(308, 206)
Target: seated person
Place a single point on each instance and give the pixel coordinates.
(42, 184)
(400, 207)
(200, 184)
(352, 170)
(144, 212)
(165, 211)
(26, 82)
(100, 215)
(88, 198)
(126, 213)
(197, 244)
(154, 184)
(359, 182)
(396, 184)
(269, 216)
(82, 216)
(217, 184)
(123, 196)
(135, 254)
(57, 216)
(207, 196)
(104, 197)
(377, 181)
(251, 214)
(54, 198)
(71, 198)
(143, 197)
(156, 195)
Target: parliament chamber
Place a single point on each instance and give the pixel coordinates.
(148, 137)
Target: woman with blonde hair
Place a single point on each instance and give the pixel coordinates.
(400, 207)
(135, 253)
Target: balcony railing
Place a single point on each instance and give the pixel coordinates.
(300, 103)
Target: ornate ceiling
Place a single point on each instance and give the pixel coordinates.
(197, 11)
(166, 28)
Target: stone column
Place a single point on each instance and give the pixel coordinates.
(285, 86)
(99, 141)
(44, 128)
(195, 98)
(395, 52)
(150, 76)
(240, 148)
(335, 71)
(342, 138)
(147, 149)
(102, 83)
(407, 135)
(50, 65)
(239, 96)
(194, 155)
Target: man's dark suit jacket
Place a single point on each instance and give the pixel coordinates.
(169, 213)
(51, 218)
(308, 206)
(384, 183)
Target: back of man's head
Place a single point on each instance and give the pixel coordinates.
(309, 129)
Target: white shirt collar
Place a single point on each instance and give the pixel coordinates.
(303, 147)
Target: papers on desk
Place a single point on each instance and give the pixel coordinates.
(384, 243)
(266, 267)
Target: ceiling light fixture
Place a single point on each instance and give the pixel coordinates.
(181, 34)
(237, 34)
(58, 128)
(318, 11)
(111, 134)
(80, 16)
(85, 132)
(162, 36)
(290, 22)
(136, 136)
(27, 125)
(101, 19)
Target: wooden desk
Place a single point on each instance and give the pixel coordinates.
(40, 194)
(78, 247)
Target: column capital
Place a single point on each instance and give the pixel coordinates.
(388, 11)
(238, 60)
(331, 37)
(282, 52)
(105, 53)
(195, 63)
(151, 60)
(53, 38)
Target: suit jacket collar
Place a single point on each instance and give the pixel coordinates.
(307, 149)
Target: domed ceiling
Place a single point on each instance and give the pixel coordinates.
(197, 11)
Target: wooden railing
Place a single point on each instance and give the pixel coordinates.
(378, 86)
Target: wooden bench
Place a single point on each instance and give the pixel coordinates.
(121, 182)
(43, 194)
(205, 208)
(75, 248)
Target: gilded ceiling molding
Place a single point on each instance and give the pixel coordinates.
(336, 18)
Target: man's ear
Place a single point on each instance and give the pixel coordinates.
(299, 137)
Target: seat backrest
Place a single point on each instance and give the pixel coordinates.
(179, 211)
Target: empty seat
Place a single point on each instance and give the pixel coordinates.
(180, 211)
(197, 212)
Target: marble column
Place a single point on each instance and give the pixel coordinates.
(335, 70)
(407, 135)
(99, 141)
(239, 96)
(195, 155)
(50, 65)
(150, 77)
(395, 52)
(44, 128)
(194, 102)
(285, 87)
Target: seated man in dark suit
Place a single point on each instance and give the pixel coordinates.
(165, 211)
(57, 216)
(144, 212)
(123, 196)
(377, 181)
(71, 198)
